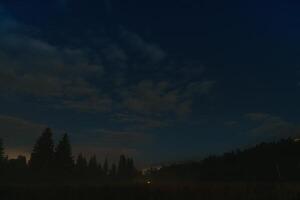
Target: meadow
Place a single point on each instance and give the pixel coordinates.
(203, 191)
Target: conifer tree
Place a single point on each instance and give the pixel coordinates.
(3, 159)
(100, 167)
(105, 167)
(81, 164)
(122, 166)
(131, 171)
(93, 164)
(63, 155)
(2, 156)
(113, 170)
(43, 152)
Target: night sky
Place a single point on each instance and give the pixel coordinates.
(164, 80)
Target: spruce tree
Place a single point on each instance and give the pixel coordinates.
(113, 170)
(63, 155)
(3, 159)
(100, 168)
(43, 152)
(81, 164)
(93, 164)
(131, 170)
(2, 156)
(122, 166)
(105, 167)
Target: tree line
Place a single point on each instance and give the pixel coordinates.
(50, 162)
(273, 161)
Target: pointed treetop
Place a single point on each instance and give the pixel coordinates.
(2, 156)
(43, 151)
(63, 154)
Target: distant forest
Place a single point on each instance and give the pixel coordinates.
(50, 163)
(275, 161)
(55, 163)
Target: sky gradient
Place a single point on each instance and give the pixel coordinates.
(160, 81)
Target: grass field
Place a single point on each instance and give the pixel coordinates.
(203, 191)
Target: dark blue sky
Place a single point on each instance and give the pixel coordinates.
(160, 81)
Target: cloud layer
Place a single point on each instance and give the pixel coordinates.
(131, 81)
(123, 73)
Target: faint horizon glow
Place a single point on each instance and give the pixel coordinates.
(14, 153)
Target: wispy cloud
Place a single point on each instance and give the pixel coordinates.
(139, 122)
(103, 74)
(267, 125)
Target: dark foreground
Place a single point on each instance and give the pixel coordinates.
(203, 191)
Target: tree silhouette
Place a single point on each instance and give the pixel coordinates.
(93, 164)
(265, 162)
(63, 155)
(100, 169)
(18, 165)
(113, 170)
(131, 171)
(274, 161)
(2, 156)
(105, 167)
(81, 165)
(122, 166)
(55, 164)
(43, 152)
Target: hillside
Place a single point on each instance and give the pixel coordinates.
(263, 162)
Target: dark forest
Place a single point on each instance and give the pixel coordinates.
(53, 173)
